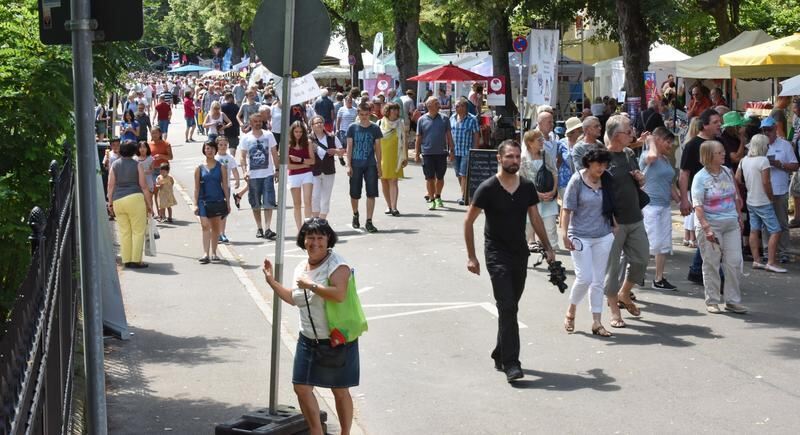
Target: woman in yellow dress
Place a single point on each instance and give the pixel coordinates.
(394, 155)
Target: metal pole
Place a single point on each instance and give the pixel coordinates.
(521, 104)
(286, 108)
(82, 27)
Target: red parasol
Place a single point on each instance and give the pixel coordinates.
(448, 73)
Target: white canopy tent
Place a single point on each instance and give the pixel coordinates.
(609, 75)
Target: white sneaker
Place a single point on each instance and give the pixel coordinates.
(775, 269)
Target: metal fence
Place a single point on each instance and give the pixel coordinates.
(38, 345)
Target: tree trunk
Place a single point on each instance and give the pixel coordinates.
(500, 45)
(352, 34)
(634, 36)
(450, 40)
(718, 9)
(406, 32)
(235, 35)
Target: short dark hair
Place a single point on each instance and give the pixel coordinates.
(389, 107)
(211, 144)
(316, 225)
(364, 107)
(507, 143)
(595, 154)
(705, 117)
(664, 133)
(143, 143)
(128, 148)
(164, 167)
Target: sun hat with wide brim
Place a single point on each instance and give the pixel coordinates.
(733, 119)
(573, 124)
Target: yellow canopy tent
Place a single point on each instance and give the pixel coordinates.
(778, 58)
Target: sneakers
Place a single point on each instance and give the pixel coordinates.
(270, 235)
(713, 309)
(438, 202)
(696, 278)
(260, 234)
(461, 201)
(771, 268)
(204, 259)
(356, 223)
(223, 239)
(395, 213)
(370, 228)
(735, 308)
(663, 284)
(431, 204)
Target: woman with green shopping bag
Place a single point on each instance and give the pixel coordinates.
(327, 349)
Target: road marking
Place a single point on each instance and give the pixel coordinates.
(430, 310)
(365, 289)
(265, 307)
(493, 311)
(419, 304)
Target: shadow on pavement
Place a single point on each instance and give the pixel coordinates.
(417, 215)
(666, 310)
(155, 268)
(399, 231)
(175, 223)
(788, 347)
(596, 380)
(149, 347)
(660, 333)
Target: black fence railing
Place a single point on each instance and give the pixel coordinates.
(38, 344)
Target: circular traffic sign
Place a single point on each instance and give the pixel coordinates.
(351, 59)
(520, 44)
(312, 34)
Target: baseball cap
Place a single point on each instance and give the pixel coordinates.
(768, 122)
(733, 119)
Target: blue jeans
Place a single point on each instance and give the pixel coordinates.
(164, 126)
(696, 267)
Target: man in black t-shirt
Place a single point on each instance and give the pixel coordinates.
(507, 199)
(710, 124)
(231, 109)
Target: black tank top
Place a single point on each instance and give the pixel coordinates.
(326, 165)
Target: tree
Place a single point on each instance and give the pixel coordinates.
(634, 36)
(406, 33)
(342, 13)
(726, 17)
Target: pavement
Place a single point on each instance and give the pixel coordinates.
(200, 350)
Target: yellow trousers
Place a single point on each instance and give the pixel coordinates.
(131, 217)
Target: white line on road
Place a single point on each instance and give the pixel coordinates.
(365, 289)
(419, 304)
(493, 311)
(430, 310)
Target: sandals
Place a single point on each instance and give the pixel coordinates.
(601, 331)
(237, 200)
(617, 323)
(569, 324)
(631, 308)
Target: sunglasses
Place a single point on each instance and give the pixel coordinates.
(317, 220)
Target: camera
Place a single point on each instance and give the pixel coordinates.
(341, 161)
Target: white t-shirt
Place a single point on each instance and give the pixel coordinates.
(259, 161)
(276, 119)
(320, 276)
(321, 153)
(781, 150)
(751, 171)
(230, 164)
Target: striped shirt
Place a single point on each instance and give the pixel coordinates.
(348, 116)
(463, 133)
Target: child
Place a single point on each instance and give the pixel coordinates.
(165, 198)
(689, 238)
(230, 163)
(111, 155)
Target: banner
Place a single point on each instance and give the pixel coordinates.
(542, 66)
(377, 54)
(650, 87)
(496, 92)
(383, 84)
(303, 88)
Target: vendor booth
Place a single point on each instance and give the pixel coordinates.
(609, 75)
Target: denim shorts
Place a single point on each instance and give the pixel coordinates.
(369, 174)
(163, 124)
(305, 372)
(763, 216)
(261, 193)
(190, 122)
(460, 165)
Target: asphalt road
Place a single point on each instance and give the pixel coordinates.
(425, 365)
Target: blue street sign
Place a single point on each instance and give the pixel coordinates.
(520, 44)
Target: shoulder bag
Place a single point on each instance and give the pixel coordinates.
(325, 355)
(544, 178)
(346, 317)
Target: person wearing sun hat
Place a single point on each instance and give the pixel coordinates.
(573, 131)
(733, 138)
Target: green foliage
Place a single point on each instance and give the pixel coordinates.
(36, 96)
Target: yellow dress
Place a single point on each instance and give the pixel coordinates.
(390, 159)
(166, 197)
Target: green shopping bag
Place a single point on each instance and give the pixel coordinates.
(346, 319)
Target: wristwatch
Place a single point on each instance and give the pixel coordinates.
(314, 287)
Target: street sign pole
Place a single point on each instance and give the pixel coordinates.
(286, 107)
(82, 27)
(521, 105)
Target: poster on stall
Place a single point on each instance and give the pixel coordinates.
(650, 87)
(303, 88)
(383, 84)
(496, 94)
(542, 66)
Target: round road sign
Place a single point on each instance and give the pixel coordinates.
(312, 34)
(520, 44)
(351, 59)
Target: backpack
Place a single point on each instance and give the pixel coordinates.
(544, 178)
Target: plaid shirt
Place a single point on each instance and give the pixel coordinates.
(463, 133)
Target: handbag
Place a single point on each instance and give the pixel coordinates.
(644, 198)
(544, 178)
(347, 317)
(323, 354)
(150, 238)
(216, 208)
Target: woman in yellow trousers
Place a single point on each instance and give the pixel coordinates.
(130, 203)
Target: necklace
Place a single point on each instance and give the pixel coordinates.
(320, 261)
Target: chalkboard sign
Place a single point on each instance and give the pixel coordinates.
(482, 165)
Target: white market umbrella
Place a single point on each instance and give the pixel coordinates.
(790, 87)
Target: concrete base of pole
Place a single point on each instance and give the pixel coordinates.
(286, 420)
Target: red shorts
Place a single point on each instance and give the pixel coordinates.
(329, 127)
